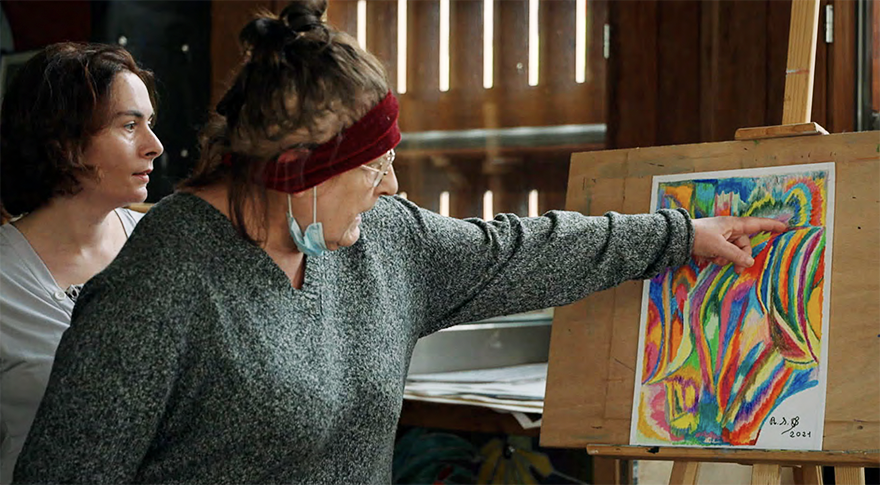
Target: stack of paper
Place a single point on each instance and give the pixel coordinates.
(517, 388)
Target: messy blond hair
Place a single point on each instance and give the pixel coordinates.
(301, 83)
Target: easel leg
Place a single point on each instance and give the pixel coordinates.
(611, 471)
(763, 474)
(684, 473)
(808, 475)
(849, 475)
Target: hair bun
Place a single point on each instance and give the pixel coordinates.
(304, 15)
(264, 36)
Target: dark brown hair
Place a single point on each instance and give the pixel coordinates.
(301, 82)
(54, 105)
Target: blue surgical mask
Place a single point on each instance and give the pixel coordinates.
(312, 242)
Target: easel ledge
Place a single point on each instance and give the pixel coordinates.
(869, 458)
(779, 131)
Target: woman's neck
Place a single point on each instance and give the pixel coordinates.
(273, 236)
(71, 223)
(75, 239)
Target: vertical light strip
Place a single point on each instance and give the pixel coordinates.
(444, 45)
(580, 48)
(488, 213)
(362, 23)
(533, 203)
(488, 43)
(401, 46)
(533, 43)
(444, 203)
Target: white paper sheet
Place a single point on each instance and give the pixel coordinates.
(740, 361)
(515, 388)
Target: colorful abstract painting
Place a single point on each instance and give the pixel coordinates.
(739, 360)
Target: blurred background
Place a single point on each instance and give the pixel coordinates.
(496, 94)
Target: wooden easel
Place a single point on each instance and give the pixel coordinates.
(799, 74)
(608, 181)
(797, 106)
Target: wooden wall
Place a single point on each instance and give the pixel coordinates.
(681, 71)
(686, 71)
(511, 102)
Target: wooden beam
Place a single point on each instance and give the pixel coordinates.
(762, 132)
(848, 475)
(800, 68)
(808, 475)
(684, 473)
(766, 474)
(835, 458)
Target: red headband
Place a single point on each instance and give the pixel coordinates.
(366, 140)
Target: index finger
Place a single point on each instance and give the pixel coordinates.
(752, 225)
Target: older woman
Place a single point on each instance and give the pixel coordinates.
(259, 325)
(76, 146)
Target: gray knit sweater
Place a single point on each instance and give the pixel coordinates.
(192, 359)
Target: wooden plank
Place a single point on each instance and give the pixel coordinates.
(511, 102)
(382, 35)
(847, 475)
(467, 182)
(514, 98)
(466, 49)
(775, 457)
(684, 473)
(506, 180)
(678, 51)
(718, 70)
(710, 21)
(606, 471)
(423, 175)
(778, 22)
(597, 66)
(633, 74)
(808, 475)
(841, 72)
(562, 98)
(589, 395)
(821, 87)
(423, 71)
(548, 174)
(800, 68)
(512, 45)
(417, 177)
(558, 99)
(740, 92)
(586, 403)
(341, 14)
(766, 474)
(464, 106)
(761, 132)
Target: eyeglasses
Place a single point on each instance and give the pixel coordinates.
(384, 166)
